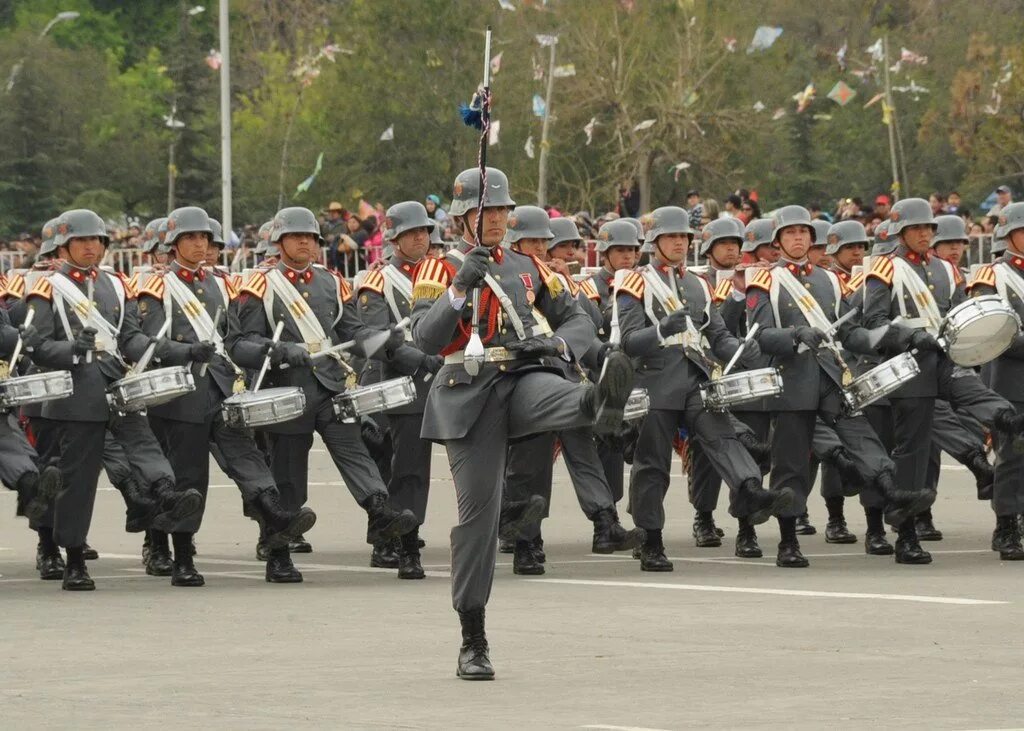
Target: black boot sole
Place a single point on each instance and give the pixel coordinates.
(841, 540)
(302, 547)
(286, 579)
(533, 512)
(749, 553)
(473, 676)
(188, 504)
(707, 542)
(403, 522)
(634, 538)
(188, 583)
(781, 499)
(162, 572)
(792, 564)
(613, 389)
(886, 550)
(47, 489)
(913, 562)
(536, 570)
(301, 523)
(83, 586)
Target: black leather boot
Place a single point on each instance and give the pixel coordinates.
(280, 569)
(901, 502)
(384, 555)
(524, 562)
(76, 575)
(474, 662)
(1006, 539)
(300, 545)
(279, 527)
(837, 532)
(756, 504)
(506, 545)
(760, 451)
(175, 505)
(140, 506)
(49, 562)
(146, 546)
(652, 553)
(610, 536)
(517, 514)
(159, 562)
(409, 566)
(926, 530)
(384, 521)
(850, 478)
(804, 527)
(184, 572)
(789, 555)
(604, 401)
(705, 532)
(36, 492)
(537, 546)
(908, 548)
(746, 541)
(983, 471)
(90, 553)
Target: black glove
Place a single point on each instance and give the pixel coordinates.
(29, 336)
(536, 347)
(84, 341)
(473, 269)
(395, 339)
(925, 341)
(812, 337)
(202, 352)
(289, 353)
(751, 355)
(673, 324)
(432, 363)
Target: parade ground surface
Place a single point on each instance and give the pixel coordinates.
(853, 641)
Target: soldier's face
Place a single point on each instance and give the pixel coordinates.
(299, 250)
(951, 251)
(768, 252)
(413, 244)
(84, 251)
(564, 251)
(1016, 240)
(795, 241)
(918, 237)
(851, 255)
(495, 223)
(673, 247)
(815, 255)
(191, 248)
(726, 254)
(534, 247)
(212, 254)
(621, 257)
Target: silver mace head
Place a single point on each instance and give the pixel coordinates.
(473, 356)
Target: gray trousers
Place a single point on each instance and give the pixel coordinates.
(1008, 488)
(290, 459)
(913, 421)
(409, 481)
(957, 434)
(518, 405)
(530, 469)
(862, 445)
(652, 463)
(187, 447)
(704, 483)
(17, 457)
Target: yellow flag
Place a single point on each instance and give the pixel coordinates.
(886, 113)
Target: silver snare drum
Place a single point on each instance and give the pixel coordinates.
(372, 399)
(881, 380)
(740, 388)
(637, 406)
(979, 330)
(152, 388)
(35, 388)
(266, 406)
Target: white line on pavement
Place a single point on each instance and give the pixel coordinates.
(775, 592)
(605, 727)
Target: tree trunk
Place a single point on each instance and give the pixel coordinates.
(643, 179)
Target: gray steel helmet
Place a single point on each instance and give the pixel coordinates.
(161, 233)
(721, 229)
(821, 227)
(757, 233)
(638, 224)
(619, 232)
(49, 246)
(1010, 219)
(294, 220)
(190, 219)
(151, 234)
(999, 244)
(564, 230)
(528, 222)
(466, 191)
(910, 212)
(403, 217)
(218, 233)
(885, 243)
(666, 220)
(263, 245)
(435, 234)
(949, 228)
(79, 223)
(844, 233)
(791, 216)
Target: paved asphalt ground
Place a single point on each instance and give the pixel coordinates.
(854, 641)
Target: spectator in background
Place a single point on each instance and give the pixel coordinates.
(374, 242)
(332, 229)
(976, 229)
(350, 245)
(733, 207)
(953, 203)
(883, 204)
(434, 210)
(938, 204)
(711, 211)
(749, 211)
(695, 208)
(28, 248)
(1003, 198)
(815, 210)
(692, 199)
(628, 199)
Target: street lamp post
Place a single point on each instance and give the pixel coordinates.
(12, 78)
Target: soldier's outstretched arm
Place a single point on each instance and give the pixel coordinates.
(8, 334)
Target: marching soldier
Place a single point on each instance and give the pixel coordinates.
(84, 337)
(1005, 277)
(494, 313)
(913, 285)
(795, 304)
(385, 299)
(530, 469)
(189, 299)
(665, 312)
(314, 308)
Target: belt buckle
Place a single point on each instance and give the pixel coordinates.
(314, 347)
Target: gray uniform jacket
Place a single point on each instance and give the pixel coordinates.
(456, 399)
(1004, 375)
(881, 308)
(115, 304)
(664, 370)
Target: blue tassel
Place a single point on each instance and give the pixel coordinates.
(471, 117)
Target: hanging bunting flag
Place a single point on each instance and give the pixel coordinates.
(539, 107)
(677, 169)
(690, 99)
(886, 113)
(433, 60)
(589, 129)
(308, 182)
(506, 4)
(730, 44)
(908, 56)
(779, 114)
(841, 93)
(912, 88)
(388, 134)
(213, 59)
(764, 37)
(545, 41)
(822, 116)
(804, 98)
(492, 133)
(529, 147)
(758, 106)
(365, 210)
(841, 57)
(876, 98)
(646, 124)
(496, 64)
(538, 71)
(876, 50)
(562, 72)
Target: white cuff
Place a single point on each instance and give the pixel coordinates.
(457, 303)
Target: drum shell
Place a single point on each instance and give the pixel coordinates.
(373, 399)
(739, 389)
(979, 330)
(882, 380)
(637, 406)
(263, 408)
(36, 388)
(152, 388)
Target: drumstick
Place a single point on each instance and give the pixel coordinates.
(17, 348)
(147, 355)
(833, 328)
(739, 351)
(89, 292)
(266, 360)
(349, 344)
(216, 322)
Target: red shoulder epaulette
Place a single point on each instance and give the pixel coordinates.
(431, 278)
